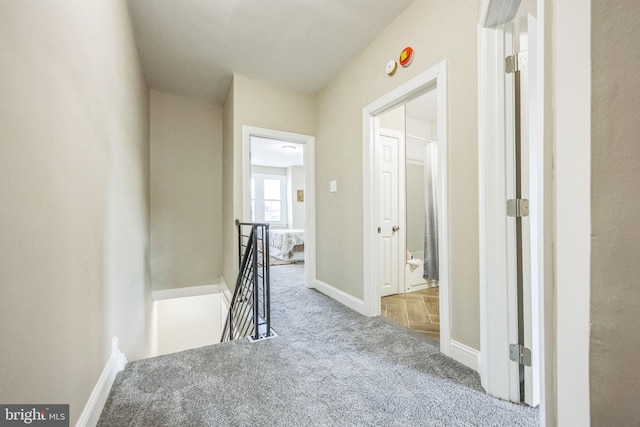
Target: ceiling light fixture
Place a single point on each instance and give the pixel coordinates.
(288, 148)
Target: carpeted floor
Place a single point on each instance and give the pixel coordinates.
(329, 366)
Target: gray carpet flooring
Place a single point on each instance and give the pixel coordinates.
(329, 366)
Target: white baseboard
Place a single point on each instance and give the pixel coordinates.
(341, 296)
(92, 410)
(464, 354)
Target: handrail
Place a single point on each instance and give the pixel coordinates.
(250, 309)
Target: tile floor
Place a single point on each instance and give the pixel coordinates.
(417, 310)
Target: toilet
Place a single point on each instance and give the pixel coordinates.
(413, 272)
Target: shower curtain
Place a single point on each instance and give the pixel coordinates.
(431, 271)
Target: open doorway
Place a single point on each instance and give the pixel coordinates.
(277, 196)
(379, 267)
(414, 301)
(409, 133)
(278, 188)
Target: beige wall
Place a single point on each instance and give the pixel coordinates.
(186, 192)
(263, 105)
(615, 235)
(437, 30)
(228, 191)
(74, 224)
(394, 119)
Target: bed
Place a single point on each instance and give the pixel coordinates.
(287, 245)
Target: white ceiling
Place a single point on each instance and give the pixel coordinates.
(269, 152)
(192, 47)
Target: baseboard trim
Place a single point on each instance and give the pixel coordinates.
(92, 410)
(464, 354)
(341, 296)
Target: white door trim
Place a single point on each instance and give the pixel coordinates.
(492, 128)
(572, 209)
(435, 77)
(532, 189)
(497, 234)
(309, 188)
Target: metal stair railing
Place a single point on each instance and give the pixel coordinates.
(250, 309)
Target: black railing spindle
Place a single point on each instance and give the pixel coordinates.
(250, 309)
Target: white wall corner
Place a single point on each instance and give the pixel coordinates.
(469, 357)
(98, 397)
(120, 358)
(342, 297)
(227, 295)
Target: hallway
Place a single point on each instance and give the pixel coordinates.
(328, 366)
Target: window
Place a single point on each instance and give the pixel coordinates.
(268, 199)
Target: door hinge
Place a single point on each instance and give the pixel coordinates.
(515, 63)
(518, 208)
(520, 354)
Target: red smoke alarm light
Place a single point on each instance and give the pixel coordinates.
(406, 56)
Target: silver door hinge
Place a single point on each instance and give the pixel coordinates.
(515, 63)
(518, 208)
(520, 354)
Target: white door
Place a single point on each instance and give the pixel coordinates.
(510, 263)
(387, 189)
(531, 225)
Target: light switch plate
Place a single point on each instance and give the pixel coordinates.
(333, 186)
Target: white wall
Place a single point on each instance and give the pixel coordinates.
(437, 30)
(268, 170)
(186, 192)
(415, 208)
(422, 128)
(74, 173)
(189, 322)
(295, 182)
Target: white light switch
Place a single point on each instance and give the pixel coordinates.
(333, 186)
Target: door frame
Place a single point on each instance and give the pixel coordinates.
(497, 233)
(433, 78)
(498, 304)
(308, 142)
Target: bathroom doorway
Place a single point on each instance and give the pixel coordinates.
(433, 79)
(408, 244)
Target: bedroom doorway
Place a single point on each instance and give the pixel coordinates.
(278, 188)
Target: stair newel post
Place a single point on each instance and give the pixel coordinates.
(239, 225)
(267, 279)
(256, 299)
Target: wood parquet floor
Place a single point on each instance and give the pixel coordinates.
(417, 310)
